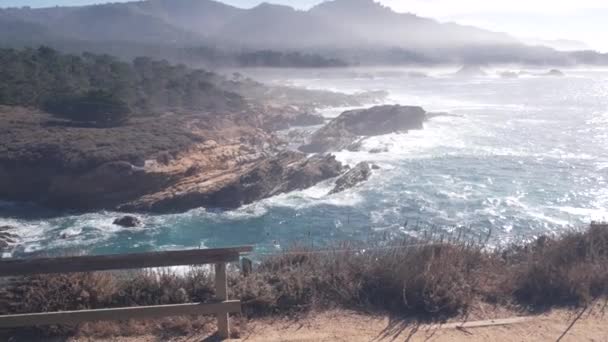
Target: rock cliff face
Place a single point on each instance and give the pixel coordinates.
(163, 164)
(244, 184)
(349, 126)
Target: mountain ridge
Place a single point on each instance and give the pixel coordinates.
(355, 31)
(208, 19)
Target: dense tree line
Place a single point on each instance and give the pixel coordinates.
(98, 107)
(66, 83)
(269, 58)
(256, 58)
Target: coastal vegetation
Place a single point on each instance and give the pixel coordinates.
(97, 107)
(115, 137)
(101, 85)
(431, 279)
(159, 137)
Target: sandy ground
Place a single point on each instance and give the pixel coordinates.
(351, 326)
(340, 326)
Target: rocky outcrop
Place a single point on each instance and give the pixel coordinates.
(352, 178)
(160, 164)
(288, 171)
(341, 132)
(183, 159)
(275, 118)
(166, 163)
(128, 221)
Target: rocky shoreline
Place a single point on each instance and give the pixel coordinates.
(175, 163)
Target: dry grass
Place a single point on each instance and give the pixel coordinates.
(434, 280)
(568, 270)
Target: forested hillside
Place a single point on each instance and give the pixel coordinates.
(39, 77)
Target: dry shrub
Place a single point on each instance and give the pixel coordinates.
(281, 284)
(568, 270)
(78, 291)
(165, 287)
(47, 293)
(429, 280)
(433, 279)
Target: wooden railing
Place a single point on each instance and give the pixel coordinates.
(221, 307)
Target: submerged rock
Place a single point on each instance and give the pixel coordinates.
(432, 115)
(341, 132)
(7, 238)
(470, 71)
(555, 73)
(509, 74)
(353, 177)
(128, 221)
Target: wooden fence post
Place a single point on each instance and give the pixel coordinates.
(221, 293)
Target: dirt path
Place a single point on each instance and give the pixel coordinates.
(350, 326)
(344, 326)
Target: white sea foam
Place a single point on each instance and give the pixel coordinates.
(590, 214)
(314, 196)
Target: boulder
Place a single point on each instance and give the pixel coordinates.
(7, 238)
(128, 221)
(378, 150)
(352, 178)
(555, 73)
(341, 132)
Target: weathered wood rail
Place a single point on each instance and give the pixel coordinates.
(221, 307)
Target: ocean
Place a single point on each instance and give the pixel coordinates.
(517, 159)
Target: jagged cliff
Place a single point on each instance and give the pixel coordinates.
(174, 162)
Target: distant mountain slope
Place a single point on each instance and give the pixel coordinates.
(111, 22)
(379, 25)
(275, 26)
(204, 17)
(339, 23)
(358, 31)
(28, 33)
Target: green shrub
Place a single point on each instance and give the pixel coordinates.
(97, 107)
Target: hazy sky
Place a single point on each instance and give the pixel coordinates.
(583, 20)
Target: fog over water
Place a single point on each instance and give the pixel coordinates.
(523, 157)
